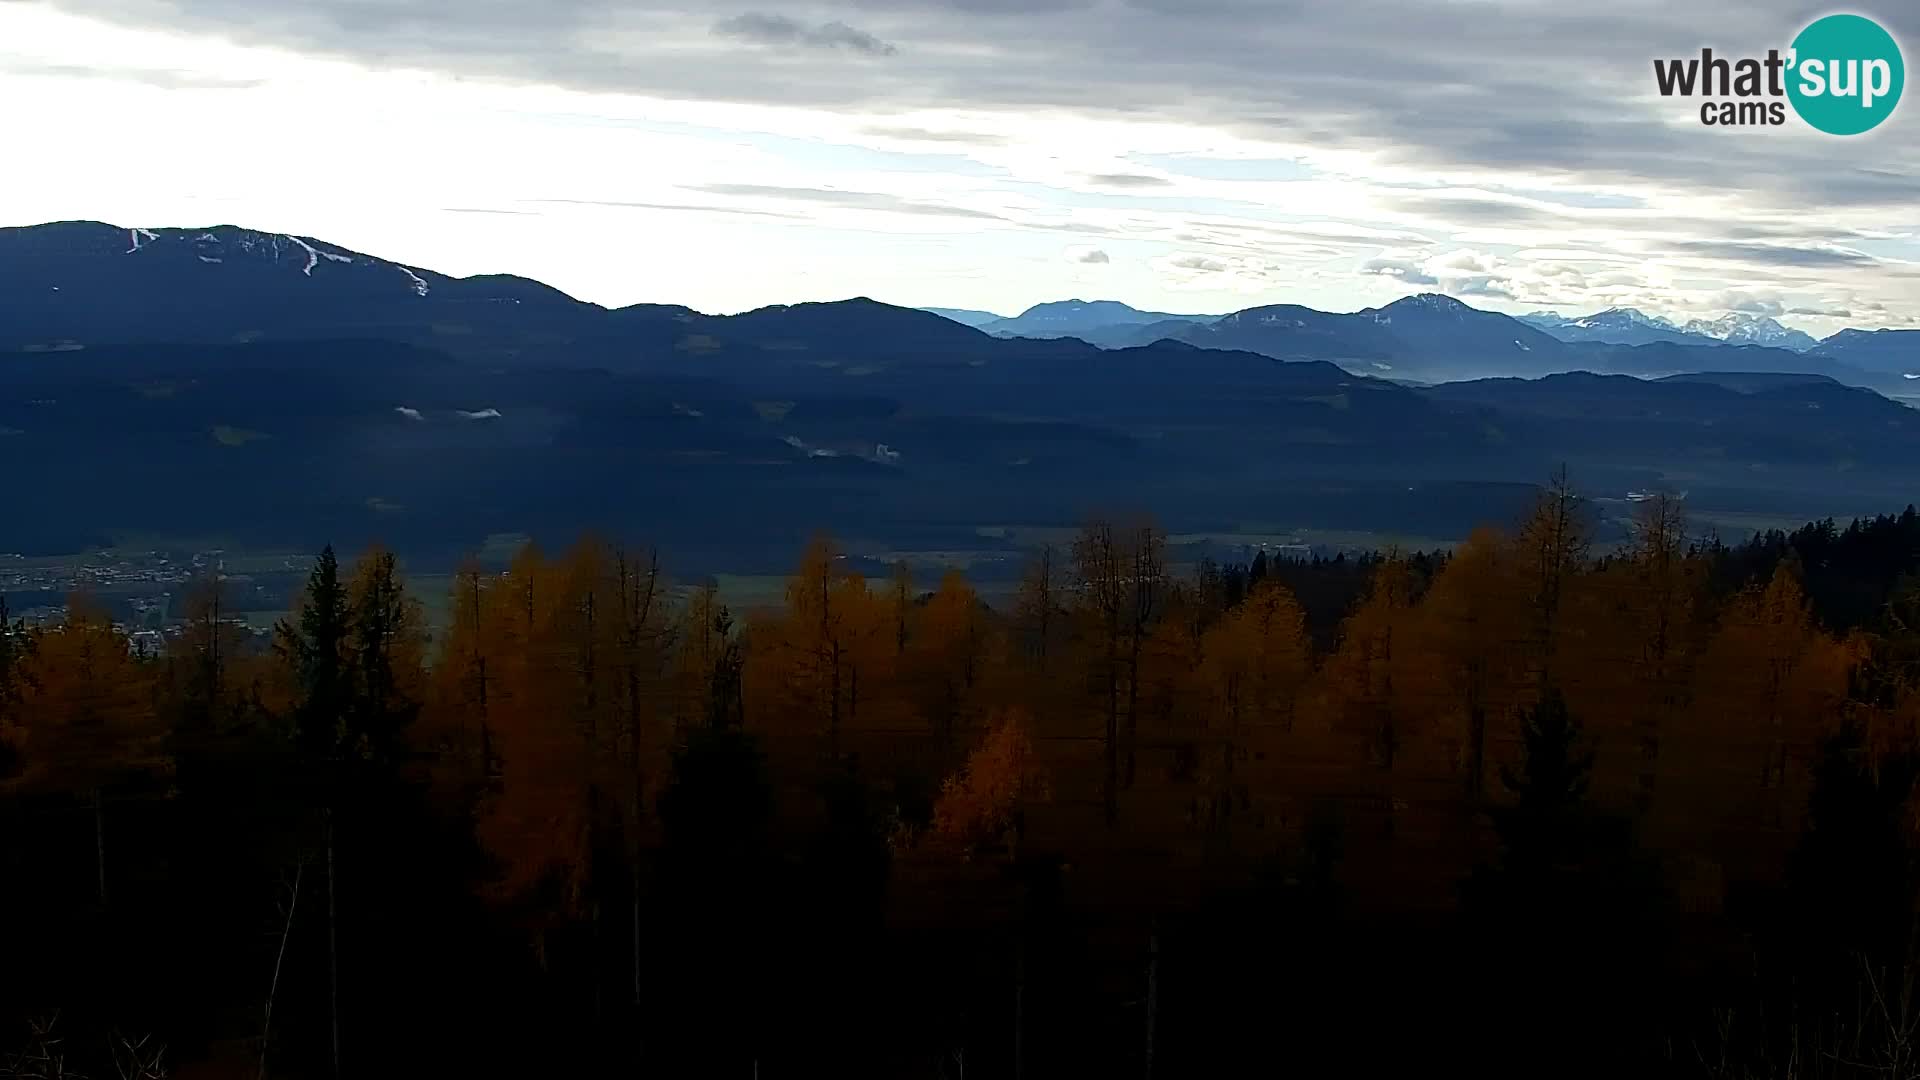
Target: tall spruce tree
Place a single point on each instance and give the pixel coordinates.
(382, 645)
(315, 648)
(1546, 827)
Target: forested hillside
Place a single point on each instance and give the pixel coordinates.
(314, 391)
(1521, 806)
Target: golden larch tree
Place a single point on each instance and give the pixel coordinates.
(86, 718)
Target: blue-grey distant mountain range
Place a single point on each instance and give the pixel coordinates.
(1451, 328)
(1627, 326)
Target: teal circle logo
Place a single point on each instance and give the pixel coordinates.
(1845, 74)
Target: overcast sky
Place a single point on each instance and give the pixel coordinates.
(1185, 155)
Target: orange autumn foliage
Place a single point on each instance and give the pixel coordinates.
(985, 804)
(86, 717)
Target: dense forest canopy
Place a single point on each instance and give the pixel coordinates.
(1523, 804)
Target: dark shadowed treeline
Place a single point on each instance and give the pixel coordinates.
(1524, 808)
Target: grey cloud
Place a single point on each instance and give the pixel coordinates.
(1795, 240)
(849, 200)
(1476, 210)
(1015, 9)
(1229, 9)
(1772, 254)
(1464, 262)
(692, 208)
(1747, 304)
(1797, 232)
(914, 134)
(1199, 264)
(1560, 273)
(1857, 185)
(1256, 235)
(1829, 312)
(1411, 277)
(1127, 180)
(765, 29)
(1088, 255)
(840, 35)
(1482, 286)
(1466, 272)
(163, 78)
(1405, 270)
(1556, 90)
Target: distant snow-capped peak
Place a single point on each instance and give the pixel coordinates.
(1740, 328)
(1613, 316)
(1635, 315)
(1734, 328)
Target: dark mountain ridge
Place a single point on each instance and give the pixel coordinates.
(277, 388)
(1886, 351)
(89, 282)
(1106, 320)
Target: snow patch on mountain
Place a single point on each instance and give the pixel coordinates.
(1739, 328)
(313, 257)
(1437, 302)
(1610, 318)
(419, 284)
(1630, 326)
(1626, 315)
